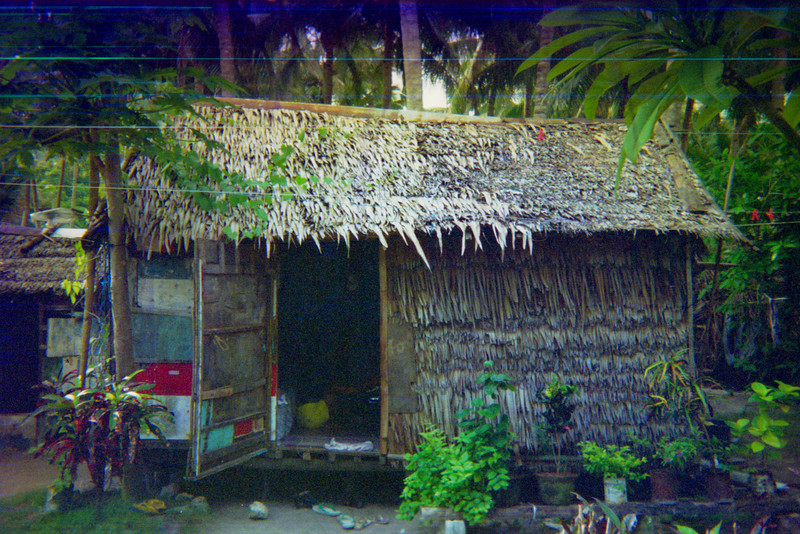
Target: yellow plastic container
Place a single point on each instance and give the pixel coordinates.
(313, 414)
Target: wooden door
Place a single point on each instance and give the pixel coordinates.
(230, 406)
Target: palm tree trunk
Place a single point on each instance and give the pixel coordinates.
(121, 320)
(61, 180)
(26, 209)
(388, 57)
(75, 175)
(542, 70)
(779, 83)
(412, 54)
(326, 39)
(763, 105)
(527, 107)
(226, 52)
(327, 80)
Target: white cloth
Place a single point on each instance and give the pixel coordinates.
(334, 445)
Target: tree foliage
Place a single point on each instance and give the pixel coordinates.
(665, 55)
(758, 333)
(90, 83)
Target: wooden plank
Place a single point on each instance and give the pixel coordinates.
(233, 421)
(235, 329)
(283, 463)
(164, 267)
(384, 326)
(158, 337)
(233, 389)
(166, 295)
(402, 367)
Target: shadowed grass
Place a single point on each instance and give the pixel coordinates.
(22, 513)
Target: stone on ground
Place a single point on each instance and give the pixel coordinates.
(258, 510)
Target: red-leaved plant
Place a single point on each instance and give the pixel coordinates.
(98, 425)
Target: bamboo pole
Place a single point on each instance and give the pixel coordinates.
(384, 364)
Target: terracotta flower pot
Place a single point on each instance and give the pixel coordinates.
(717, 485)
(664, 485)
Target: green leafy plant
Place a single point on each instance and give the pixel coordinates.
(74, 287)
(674, 392)
(462, 475)
(596, 518)
(97, 425)
(677, 453)
(559, 406)
(666, 56)
(689, 530)
(611, 461)
(765, 428)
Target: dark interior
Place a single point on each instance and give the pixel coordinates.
(19, 354)
(328, 322)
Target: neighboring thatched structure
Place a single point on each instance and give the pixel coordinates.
(30, 295)
(38, 271)
(501, 240)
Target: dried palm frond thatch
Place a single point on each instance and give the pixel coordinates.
(403, 173)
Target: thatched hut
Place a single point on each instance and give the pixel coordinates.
(31, 297)
(416, 246)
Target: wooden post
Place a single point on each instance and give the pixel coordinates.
(384, 333)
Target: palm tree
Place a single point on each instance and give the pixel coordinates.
(412, 53)
(667, 55)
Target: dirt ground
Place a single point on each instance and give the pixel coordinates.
(20, 472)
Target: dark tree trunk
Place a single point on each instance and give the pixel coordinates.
(115, 197)
(61, 181)
(778, 89)
(328, 46)
(527, 109)
(226, 51)
(542, 70)
(89, 295)
(412, 54)
(492, 101)
(327, 80)
(388, 59)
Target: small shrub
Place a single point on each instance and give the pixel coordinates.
(463, 474)
(97, 425)
(611, 461)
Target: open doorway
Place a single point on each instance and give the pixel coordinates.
(329, 344)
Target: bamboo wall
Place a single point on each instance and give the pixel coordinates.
(594, 310)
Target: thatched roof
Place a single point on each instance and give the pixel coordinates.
(42, 269)
(400, 172)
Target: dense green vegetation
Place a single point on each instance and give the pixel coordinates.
(752, 334)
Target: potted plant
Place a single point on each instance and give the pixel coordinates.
(672, 457)
(615, 464)
(557, 397)
(463, 474)
(766, 428)
(716, 473)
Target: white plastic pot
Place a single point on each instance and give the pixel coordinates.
(616, 490)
